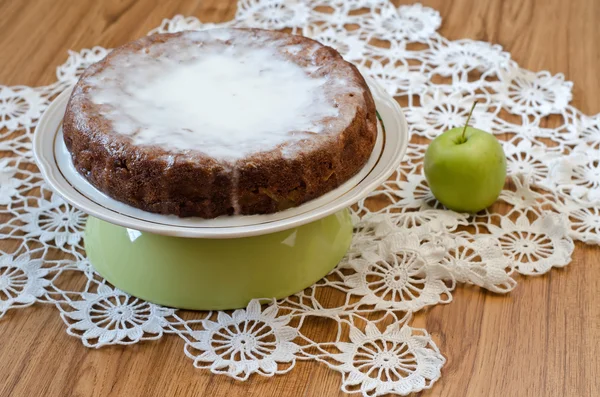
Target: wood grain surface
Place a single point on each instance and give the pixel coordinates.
(543, 339)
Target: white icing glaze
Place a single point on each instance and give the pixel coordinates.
(225, 101)
(293, 49)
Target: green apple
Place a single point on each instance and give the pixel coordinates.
(465, 168)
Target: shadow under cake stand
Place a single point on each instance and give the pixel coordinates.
(222, 263)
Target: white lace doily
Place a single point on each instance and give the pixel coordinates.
(408, 252)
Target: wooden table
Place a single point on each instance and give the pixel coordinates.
(543, 339)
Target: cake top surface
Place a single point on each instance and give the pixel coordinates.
(227, 93)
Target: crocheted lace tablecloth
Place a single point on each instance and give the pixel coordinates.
(408, 252)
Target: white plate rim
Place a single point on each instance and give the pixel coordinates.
(393, 150)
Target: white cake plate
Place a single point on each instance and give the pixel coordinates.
(57, 169)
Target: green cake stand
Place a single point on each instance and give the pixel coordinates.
(196, 273)
(225, 262)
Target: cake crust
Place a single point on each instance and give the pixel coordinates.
(194, 183)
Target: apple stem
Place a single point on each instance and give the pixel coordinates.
(463, 137)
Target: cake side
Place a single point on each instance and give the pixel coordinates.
(283, 183)
(193, 183)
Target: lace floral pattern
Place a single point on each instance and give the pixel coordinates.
(110, 316)
(397, 361)
(408, 251)
(245, 342)
(54, 220)
(402, 273)
(21, 281)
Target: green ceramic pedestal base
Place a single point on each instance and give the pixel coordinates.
(207, 274)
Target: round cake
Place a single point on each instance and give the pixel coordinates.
(220, 122)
